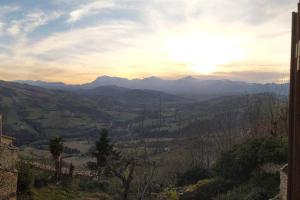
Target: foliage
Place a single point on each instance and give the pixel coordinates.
(56, 147)
(172, 194)
(207, 189)
(261, 186)
(257, 194)
(104, 151)
(239, 163)
(25, 178)
(110, 163)
(193, 175)
(42, 179)
(92, 185)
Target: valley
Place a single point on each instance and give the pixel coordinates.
(162, 127)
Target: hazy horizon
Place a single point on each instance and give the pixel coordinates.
(204, 78)
(77, 41)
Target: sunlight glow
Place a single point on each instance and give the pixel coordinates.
(203, 53)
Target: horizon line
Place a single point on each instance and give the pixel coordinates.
(198, 77)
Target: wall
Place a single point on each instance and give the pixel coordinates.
(8, 172)
(8, 157)
(8, 184)
(283, 182)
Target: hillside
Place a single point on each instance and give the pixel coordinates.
(134, 96)
(33, 113)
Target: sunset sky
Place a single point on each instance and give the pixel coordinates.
(74, 41)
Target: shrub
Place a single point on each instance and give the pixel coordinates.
(172, 195)
(236, 193)
(41, 179)
(207, 189)
(193, 175)
(261, 186)
(92, 185)
(239, 163)
(257, 194)
(25, 178)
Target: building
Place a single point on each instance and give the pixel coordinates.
(8, 165)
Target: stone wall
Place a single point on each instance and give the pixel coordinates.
(8, 184)
(283, 182)
(8, 157)
(8, 172)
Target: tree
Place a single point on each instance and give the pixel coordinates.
(111, 163)
(56, 148)
(71, 170)
(104, 150)
(123, 168)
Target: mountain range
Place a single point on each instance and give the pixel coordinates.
(34, 110)
(189, 87)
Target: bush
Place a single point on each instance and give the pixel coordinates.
(25, 178)
(257, 194)
(92, 186)
(41, 179)
(236, 193)
(193, 175)
(239, 163)
(207, 189)
(260, 187)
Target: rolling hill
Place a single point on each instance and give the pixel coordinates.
(31, 112)
(133, 96)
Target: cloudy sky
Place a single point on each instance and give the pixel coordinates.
(75, 41)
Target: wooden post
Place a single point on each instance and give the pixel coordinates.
(294, 112)
(1, 127)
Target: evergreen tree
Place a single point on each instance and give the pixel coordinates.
(104, 152)
(56, 148)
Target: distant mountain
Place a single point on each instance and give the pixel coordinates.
(53, 85)
(134, 96)
(188, 87)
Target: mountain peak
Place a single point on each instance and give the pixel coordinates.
(188, 78)
(152, 78)
(108, 78)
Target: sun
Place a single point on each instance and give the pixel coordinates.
(203, 53)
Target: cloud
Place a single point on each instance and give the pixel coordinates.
(8, 9)
(30, 22)
(89, 9)
(255, 76)
(131, 38)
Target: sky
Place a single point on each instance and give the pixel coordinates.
(75, 41)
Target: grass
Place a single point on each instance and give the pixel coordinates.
(63, 193)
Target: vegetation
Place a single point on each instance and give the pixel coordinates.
(238, 174)
(239, 163)
(260, 187)
(56, 149)
(156, 145)
(25, 178)
(193, 175)
(111, 163)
